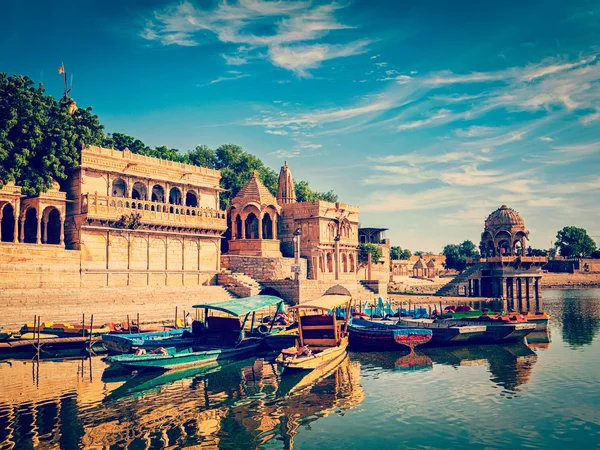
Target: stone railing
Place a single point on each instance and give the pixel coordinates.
(154, 213)
(510, 259)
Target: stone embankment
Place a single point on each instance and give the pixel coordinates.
(570, 280)
(416, 286)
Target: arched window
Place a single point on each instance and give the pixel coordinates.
(138, 191)
(329, 263)
(344, 262)
(158, 194)
(351, 258)
(267, 225)
(191, 199)
(119, 188)
(238, 227)
(251, 226)
(175, 196)
(8, 223)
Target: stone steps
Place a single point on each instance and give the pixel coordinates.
(452, 288)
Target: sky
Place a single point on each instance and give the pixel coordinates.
(428, 115)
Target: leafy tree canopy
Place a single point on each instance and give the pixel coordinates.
(573, 241)
(457, 254)
(365, 249)
(41, 139)
(399, 253)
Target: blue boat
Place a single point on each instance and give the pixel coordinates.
(127, 343)
(218, 338)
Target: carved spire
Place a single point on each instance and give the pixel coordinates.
(285, 189)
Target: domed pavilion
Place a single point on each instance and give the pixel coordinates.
(504, 234)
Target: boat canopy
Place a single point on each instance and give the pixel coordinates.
(326, 302)
(242, 306)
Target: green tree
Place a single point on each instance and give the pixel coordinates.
(457, 254)
(399, 253)
(305, 194)
(573, 241)
(405, 254)
(365, 249)
(203, 156)
(40, 138)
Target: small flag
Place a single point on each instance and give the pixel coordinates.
(61, 69)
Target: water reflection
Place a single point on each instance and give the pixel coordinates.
(580, 315)
(240, 405)
(394, 360)
(510, 366)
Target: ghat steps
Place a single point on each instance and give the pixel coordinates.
(453, 287)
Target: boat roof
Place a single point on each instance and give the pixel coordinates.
(326, 302)
(242, 306)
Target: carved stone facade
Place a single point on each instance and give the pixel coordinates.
(142, 221)
(324, 233)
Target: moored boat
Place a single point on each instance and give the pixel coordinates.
(282, 339)
(127, 343)
(385, 335)
(64, 329)
(540, 319)
(460, 312)
(321, 337)
(444, 333)
(216, 339)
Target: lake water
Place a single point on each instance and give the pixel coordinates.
(539, 395)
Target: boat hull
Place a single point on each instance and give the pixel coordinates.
(126, 343)
(181, 360)
(313, 361)
(382, 336)
(281, 340)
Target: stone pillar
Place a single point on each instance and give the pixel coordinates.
(470, 293)
(520, 293)
(233, 227)
(337, 260)
(62, 232)
(274, 227)
(16, 222)
(1, 213)
(22, 234)
(538, 296)
(243, 220)
(38, 239)
(45, 236)
(503, 288)
(260, 225)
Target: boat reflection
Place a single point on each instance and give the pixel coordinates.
(394, 360)
(243, 404)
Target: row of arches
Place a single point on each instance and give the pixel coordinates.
(503, 243)
(139, 191)
(31, 229)
(250, 223)
(327, 264)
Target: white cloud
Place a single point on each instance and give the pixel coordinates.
(277, 132)
(225, 78)
(290, 24)
(545, 138)
(300, 59)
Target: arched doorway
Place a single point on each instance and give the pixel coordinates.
(251, 224)
(139, 191)
(175, 196)
(158, 193)
(51, 232)
(30, 226)
(267, 225)
(351, 258)
(8, 223)
(344, 262)
(329, 263)
(238, 227)
(119, 188)
(191, 199)
(270, 291)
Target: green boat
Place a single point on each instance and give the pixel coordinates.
(217, 338)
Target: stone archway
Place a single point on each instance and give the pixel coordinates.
(30, 226)
(119, 188)
(251, 226)
(51, 227)
(138, 191)
(158, 193)
(191, 199)
(267, 227)
(175, 196)
(8, 223)
(270, 291)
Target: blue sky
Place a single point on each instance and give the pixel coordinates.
(426, 114)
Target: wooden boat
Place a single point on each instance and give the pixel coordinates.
(4, 335)
(64, 329)
(282, 339)
(540, 320)
(216, 339)
(460, 312)
(445, 333)
(385, 335)
(321, 337)
(127, 343)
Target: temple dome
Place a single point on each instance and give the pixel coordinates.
(504, 217)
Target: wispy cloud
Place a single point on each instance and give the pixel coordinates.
(233, 76)
(291, 25)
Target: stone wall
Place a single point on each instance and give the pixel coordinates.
(114, 258)
(305, 290)
(34, 266)
(106, 304)
(262, 268)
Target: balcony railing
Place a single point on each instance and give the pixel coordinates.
(153, 213)
(509, 259)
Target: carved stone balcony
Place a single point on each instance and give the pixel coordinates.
(103, 207)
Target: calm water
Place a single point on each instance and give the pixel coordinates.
(542, 395)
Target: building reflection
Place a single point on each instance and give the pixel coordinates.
(241, 405)
(510, 366)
